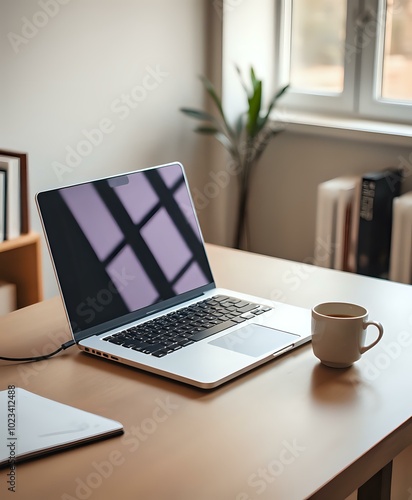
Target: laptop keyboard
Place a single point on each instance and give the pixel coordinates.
(167, 334)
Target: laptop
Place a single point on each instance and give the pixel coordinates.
(38, 426)
(138, 289)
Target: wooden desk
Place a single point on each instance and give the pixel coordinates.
(291, 429)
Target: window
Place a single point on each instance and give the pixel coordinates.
(347, 57)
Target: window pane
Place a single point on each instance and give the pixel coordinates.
(397, 65)
(318, 45)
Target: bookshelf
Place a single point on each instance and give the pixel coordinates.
(20, 253)
(20, 263)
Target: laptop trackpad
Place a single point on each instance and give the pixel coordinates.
(255, 340)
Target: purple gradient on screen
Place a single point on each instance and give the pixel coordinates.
(185, 204)
(166, 243)
(191, 278)
(138, 197)
(170, 174)
(131, 280)
(94, 218)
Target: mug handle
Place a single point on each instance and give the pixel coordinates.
(380, 329)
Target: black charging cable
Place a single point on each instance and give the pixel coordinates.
(63, 347)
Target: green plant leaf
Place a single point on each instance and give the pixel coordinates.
(255, 103)
(198, 114)
(241, 80)
(278, 94)
(255, 81)
(207, 130)
(220, 136)
(216, 99)
(250, 134)
(239, 125)
(213, 94)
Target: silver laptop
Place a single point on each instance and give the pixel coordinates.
(138, 289)
(44, 426)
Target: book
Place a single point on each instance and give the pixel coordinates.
(400, 266)
(335, 216)
(24, 187)
(352, 257)
(8, 301)
(13, 223)
(378, 191)
(2, 205)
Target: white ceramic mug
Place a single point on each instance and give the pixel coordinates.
(339, 331)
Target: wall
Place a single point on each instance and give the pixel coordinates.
(283, 196)
(93, 88)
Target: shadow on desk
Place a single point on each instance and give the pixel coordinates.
(346, 384)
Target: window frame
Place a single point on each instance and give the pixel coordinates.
(362, 63)
(370, 103)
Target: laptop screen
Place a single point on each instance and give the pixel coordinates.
(124, 244)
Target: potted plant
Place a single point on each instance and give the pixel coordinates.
(245, 139)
